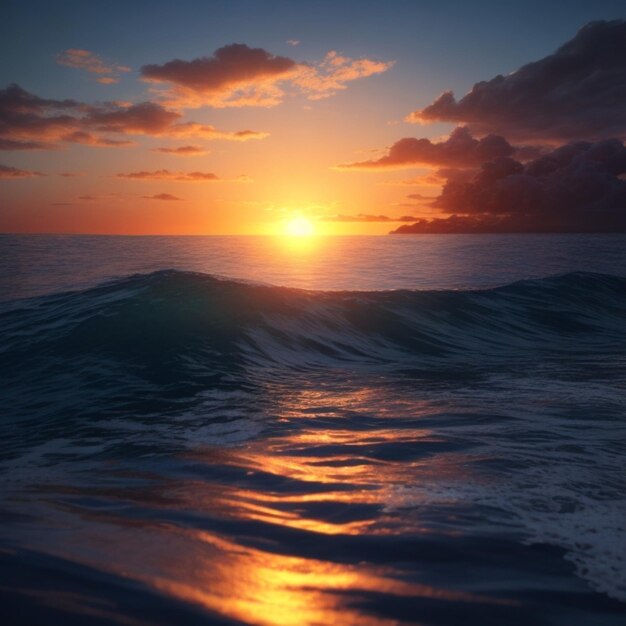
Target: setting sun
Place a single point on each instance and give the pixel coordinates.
(299, 227)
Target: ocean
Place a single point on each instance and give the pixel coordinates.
(344, 430)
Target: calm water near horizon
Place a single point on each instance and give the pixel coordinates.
(303, 445)
(38, 264)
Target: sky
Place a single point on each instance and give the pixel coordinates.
(239, 117)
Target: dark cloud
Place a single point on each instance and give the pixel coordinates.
(8, 172)
(578, 187)
(579, 92)
(459, 150)
(162, 196)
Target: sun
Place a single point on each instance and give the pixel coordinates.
(299, 227)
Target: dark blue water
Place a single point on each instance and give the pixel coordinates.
(184, 449)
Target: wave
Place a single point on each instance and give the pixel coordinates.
(491, 414)
(170, 313)
(155, 342)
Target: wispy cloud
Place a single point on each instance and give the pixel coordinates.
(85, 60)
(8, 172)
(365, 217)
(168, 197)
(185, 151)
(179, 176)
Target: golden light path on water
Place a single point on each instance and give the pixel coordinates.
(246, 548)
(255, 579)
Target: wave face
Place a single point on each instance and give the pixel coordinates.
(397, 456)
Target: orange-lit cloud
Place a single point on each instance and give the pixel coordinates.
(332, 74)
(28, 122)
(88, 61)
(182, 151)
(364, 217)
(169, 175)
(107, 80)
(237, 75)
(459, 150)
(88, 139)
(419, 197)
(168, 197)
(8, 172)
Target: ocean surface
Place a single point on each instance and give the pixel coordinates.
(353, 430)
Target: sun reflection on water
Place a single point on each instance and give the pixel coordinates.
(264, 532)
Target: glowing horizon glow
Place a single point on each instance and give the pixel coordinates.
(300, 227)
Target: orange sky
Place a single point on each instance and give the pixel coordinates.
(336, 116)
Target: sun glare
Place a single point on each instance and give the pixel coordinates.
(299, 227)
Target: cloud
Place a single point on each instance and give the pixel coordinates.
(169, 175)
(459, 150)
(150, 118)
(234, 76)
(88, 61)
(60, 204)
(87, 139)
(332, 74)
(28, 122)
(364, 217)
(205, 131)
(578, 187)
(421, 198)
(26, 119)
(12, 144)
(578, 92)
(293, 42)
(144, 118)
(8, 172)
(162, 196)
(237, 75)
(182, 150)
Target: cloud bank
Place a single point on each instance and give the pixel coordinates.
(578, 92)
(578, 187)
